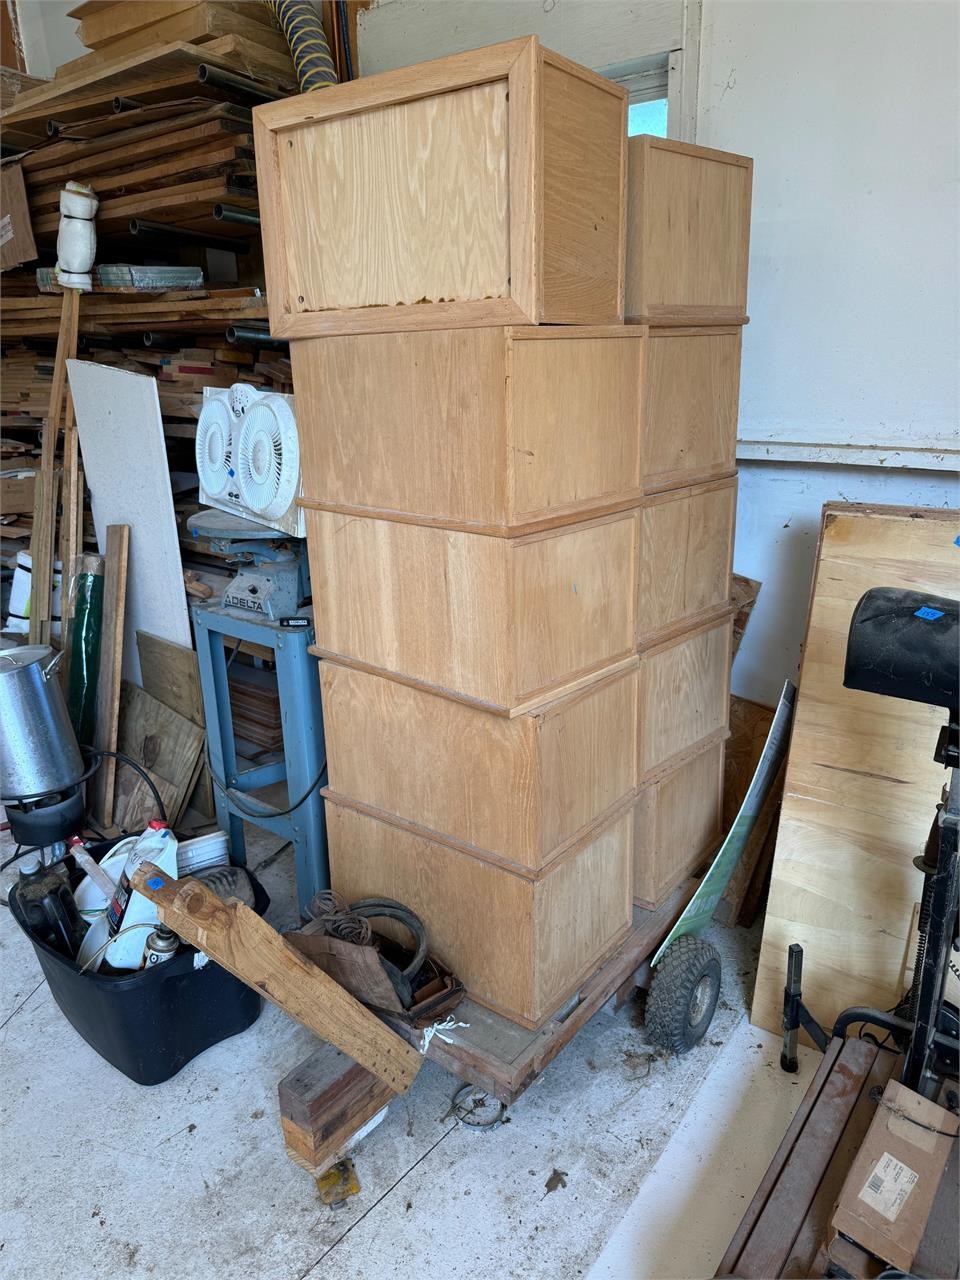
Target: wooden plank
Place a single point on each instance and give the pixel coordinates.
(323, 1102)
(44, 511)
(781, 1204)
(167, 745)
(247, 947)
(171, 674)
(520, 790)
(861, 784)
(688, 230)
(521, 943)
(197, 25)
(111, 657)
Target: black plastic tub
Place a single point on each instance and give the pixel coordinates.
(151, 1023)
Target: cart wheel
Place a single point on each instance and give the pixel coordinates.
(683, 998)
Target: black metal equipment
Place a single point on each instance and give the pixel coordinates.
(906, 644)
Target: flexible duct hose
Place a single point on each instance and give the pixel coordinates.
(309, 50)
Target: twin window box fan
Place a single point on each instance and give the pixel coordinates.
(248, 464)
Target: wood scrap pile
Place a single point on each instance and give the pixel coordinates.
(182, 311)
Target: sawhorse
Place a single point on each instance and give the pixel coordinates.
(304, 750)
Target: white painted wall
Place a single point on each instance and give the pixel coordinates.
(49, 36)
(850, 112)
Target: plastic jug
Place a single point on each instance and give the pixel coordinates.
(129, 912)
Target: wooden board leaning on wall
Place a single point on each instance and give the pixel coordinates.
(861, 784)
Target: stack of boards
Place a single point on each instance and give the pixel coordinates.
(518, 469)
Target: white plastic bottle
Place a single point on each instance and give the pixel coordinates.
(158, 845)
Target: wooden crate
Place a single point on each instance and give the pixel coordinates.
(686, 558)
(519, 790)
(688, 233)
(678, 824)
(504, 622)
(690, 396)
(507, 430)
(684, 694)
(522, 943)
(417, 199)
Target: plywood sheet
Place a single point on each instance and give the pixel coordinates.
(168, 746)
(124, 454)
(861, 783)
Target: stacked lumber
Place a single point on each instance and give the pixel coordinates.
(861, 784)
(519, 509)
(255, 707)
(180, 311)
(171, 168)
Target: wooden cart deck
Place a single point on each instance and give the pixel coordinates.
(503, 1058)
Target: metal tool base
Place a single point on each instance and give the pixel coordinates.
(303, 742)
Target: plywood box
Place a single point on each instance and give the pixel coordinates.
(688, 233)
(521, 943)
(690, 394)
(677, 824)
(504, 622)
(505, 430)
(684, 694)
(422, 199)
(686, 556)
(518, 790)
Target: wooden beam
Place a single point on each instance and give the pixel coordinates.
(247, 947)
(111, 658)
(323, 1103)
(45, 507)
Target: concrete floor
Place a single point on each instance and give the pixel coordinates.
(658, 1157)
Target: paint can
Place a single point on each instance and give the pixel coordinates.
(161, 945)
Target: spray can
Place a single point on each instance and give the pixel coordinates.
(161, 945)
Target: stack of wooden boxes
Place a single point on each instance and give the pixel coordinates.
(519, 508)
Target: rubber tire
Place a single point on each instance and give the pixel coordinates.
(687, 961)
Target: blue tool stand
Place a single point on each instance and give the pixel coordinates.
(303, 743)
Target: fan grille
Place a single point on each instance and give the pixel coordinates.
(214, 450)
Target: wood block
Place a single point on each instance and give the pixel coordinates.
(520, 790)
(442, 207)
(684, 694)
(521, 943)
(686, 555)
(507, 430)
(677, 825)
(323, 1103)
(861, 785)
(688, 233)
(690, 395)
(504, 622)
(109, 25)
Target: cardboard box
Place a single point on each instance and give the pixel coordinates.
(16, 231)
(890, 1189)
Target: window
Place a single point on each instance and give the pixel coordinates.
(648, 117)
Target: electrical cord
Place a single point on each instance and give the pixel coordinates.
(133, 764)
(150, 924)
(258, 813)
(876, 1095)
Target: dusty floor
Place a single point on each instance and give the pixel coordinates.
(658, 1156)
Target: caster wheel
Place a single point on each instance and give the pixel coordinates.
(684, 994)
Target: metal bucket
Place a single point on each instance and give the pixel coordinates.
(38, 748)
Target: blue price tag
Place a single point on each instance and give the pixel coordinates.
(154, 883)
(928, 614)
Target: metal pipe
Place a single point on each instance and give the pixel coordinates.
(219, 79)
(170, 231)
(240, 333)
(227, 213)
(125, 104)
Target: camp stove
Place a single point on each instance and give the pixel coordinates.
(272, 578)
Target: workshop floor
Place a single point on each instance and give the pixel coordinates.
(616, 1163)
